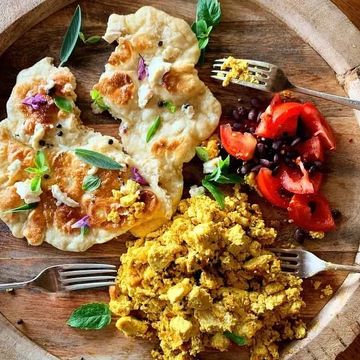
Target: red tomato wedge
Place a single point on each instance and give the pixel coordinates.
(283, 119)
(311, 150)
(270, 187)
(311, 212)
(242, 146)
(316, 124)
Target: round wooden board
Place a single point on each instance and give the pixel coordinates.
(248, 29)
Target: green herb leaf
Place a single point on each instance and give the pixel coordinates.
(35, 184)
(21, 208)
(153, 129)
(215, 192)
(82, 37)
(63, 103)
(209, 10)
(40, 161)
(170, 106)
(97, 159)
(84, 230)
(71, 36)
(238, 340)
(98, 100)
(93, 316)
(202, 153)
(203, 43)
(91, 183)
(93, 39)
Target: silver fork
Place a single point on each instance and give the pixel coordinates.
(272, 79)
(68, 277)
(305, 264)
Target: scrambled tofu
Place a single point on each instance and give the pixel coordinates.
(204, 274)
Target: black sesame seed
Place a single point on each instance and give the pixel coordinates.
(160, 103)
(42, 143)
(59, 126)
(111, 141)
(20, 321)
(59, 133)
(185, 105)
(160, 43)
(336, 214)
(46, 176)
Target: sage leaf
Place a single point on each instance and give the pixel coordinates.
(21, 208)
(63, 103)
(97, 159)
(153, 129)
(202, 153)
(71, 36)
(238, 340)
(91, 183)
(92, 316)
(215, 192)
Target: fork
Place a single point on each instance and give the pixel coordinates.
(272, 79)
(305, 264)
(68, 277)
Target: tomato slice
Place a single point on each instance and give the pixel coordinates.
(311, 212)
(300, 182)
(316, 124)
(283, 119)
(311, 150)
(270, 187)
(242, 146)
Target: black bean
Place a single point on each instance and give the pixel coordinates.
(276, 145)
(295, 141)
(255, 102)
(260, 148)
(245, 169)
(253, 113)
(265, 162)
(237, 126)
(236, 115)
(160, 43)
(251, 129)
(256, 168)
(42, 143)
(276, 158)
(111, 141)
(300, 235)
(59, 126)
(259, 116)
(242, 111)
(336, 214)
(312, 206)
(275, 170)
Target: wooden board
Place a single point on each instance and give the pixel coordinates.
(248, 29)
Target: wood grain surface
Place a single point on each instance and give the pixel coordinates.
(246, 30)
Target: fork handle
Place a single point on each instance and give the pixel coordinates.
(17, 285)
(339, 267)
(355, 104)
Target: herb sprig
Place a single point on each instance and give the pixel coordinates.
(90, 40)
(208, 15)
(153, 129)
(97, 159)
(63, 103)
(39, 170)
(92, 316)
(21, 208)
(98, 100)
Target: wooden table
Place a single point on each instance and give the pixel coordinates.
(352, 10)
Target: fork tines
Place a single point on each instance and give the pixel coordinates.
(290, 259)
(87, 276)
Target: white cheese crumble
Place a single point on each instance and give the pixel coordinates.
(92, 170)
(38, 135)
(68, 88)
(14, 167)
(196, 190)
(145, 94)
(211, 165)
(188, 110)
(23, 188)
(157, 68)
(62, 198)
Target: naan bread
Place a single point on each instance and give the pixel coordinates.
(62, 201)
(169, 49)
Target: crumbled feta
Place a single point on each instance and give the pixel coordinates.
(68, 88)
(211, 165)
(92, 170)
(196, 190)
(188, 110)
(38, 135)
(48, 86)
(157, 68)
(62, 198)
(23, 188)
(145, 94)
(14, 167)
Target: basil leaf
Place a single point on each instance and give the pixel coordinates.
(91, 183)
(93, 39)
(202, 153)
(40, 161)
(93, 316)
(203, 43)
(71, 36)
(98, 100)
(33, 170)
(238, 340)
(21, 208)
(97, 159)
(215, 192)
(63, 103)
(35, 184)
(170, 106)
(153, 129)
(209, 10)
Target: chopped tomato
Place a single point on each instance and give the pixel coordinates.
(311, 212)
(316, 124)
(270, 187)
(242, 146)
(311, 150)
(283, 119)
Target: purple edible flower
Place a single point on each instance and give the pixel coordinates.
(35, 101)
(83, 222)
(136, 176)
(142, 69)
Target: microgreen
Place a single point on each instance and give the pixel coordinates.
(170, 106)
(39, 170)
(98, 100)
(215, 192)
(92, 316)
(63, 103)
(97, 159)
(91, 183)
(21, 208)
(90, 40)
(238, 340)
(153, 129)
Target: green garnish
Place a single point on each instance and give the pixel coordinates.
(98, 100)
(93, 316)
(35, 184)
(202, 153)
(97, 159)
(63, 103)
(91, 183)
(215, 192)
(21, 208)
(170, 106)
(90, 40)
(71, 36)
(84, 230)
(39, 170)
(208, 15)
(238, 340)
(153, 129)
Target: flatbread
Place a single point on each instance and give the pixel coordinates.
(57, 133)
(170, 51)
